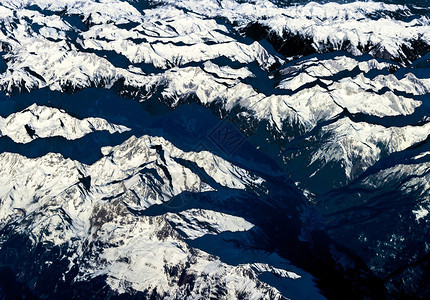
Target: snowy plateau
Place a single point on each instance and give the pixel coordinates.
(216, 149)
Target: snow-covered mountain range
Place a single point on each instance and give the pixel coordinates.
(214, 149)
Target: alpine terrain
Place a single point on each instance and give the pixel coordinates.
(216, 149)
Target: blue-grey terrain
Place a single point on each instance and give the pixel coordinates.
(214, 149)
